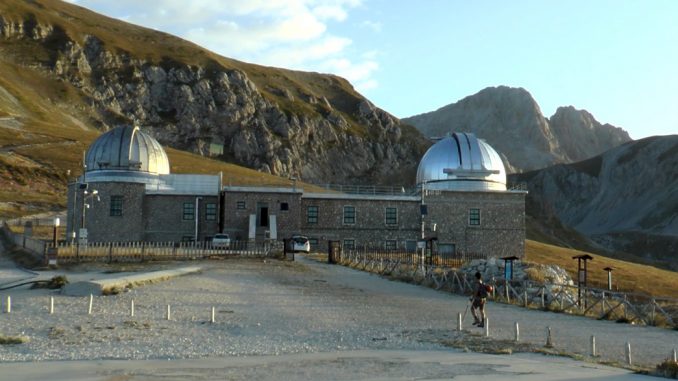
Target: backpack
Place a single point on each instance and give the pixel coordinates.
(482, 291)
(489, 289)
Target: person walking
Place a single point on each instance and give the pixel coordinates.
(478, 300)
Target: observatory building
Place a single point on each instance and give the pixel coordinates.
(460, 203)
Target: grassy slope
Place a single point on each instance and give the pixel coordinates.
(627, 276)
(38, 158)
(167, 50)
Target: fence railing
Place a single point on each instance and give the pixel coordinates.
(451, 260)
(587, 301)
(153, 251)
(140, 251)
(369, 189)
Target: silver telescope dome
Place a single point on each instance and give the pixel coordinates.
(127, 149)
(461, 162)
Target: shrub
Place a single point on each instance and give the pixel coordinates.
(10, 340)
(668, 369)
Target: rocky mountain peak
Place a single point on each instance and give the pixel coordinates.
(581, 136)
(510, 120)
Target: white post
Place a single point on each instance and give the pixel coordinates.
(517, 332)
(212, 320)
(91, 299)
(675, 357)
(132, 308)
(9, 304)
(459, 322)
(593, 346)
(549, 339)
(525, 297)
(51, 305)
(628, 354)
(543, 297)
(487, 327)
(168, 312)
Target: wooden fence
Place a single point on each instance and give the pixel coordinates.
(451, 260)
(154, 251)
(587, 301)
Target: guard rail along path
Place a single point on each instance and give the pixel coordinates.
(634, 308)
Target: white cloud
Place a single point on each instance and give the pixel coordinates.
(373, 25)
(293, 34)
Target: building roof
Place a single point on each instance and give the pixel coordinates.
(127, 148)
(461, 162)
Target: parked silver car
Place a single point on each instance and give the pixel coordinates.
(301, 243)
(221, 241)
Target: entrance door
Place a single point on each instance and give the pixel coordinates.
(263, 214)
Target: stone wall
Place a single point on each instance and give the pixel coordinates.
(163, 216)
(101, 226)
(370, 225)
(153, 218)
(501, 229)
(237, 215)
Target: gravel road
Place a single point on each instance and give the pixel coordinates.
(268, 307)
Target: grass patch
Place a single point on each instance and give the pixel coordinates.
(12, 340)
(626, 276)
(668, 369)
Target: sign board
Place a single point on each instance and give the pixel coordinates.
(82, 233)
(52, 256)
(421, 244)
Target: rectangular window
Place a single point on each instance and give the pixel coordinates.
(446, 249)
(240, 205)
(210, 212)
(189, 211)
(312, 214)
(116, 206)
(411, 246)
(390, 244)
(391, 216)
(349, 244)
(284, 206)
(474, 217)
(349, 215)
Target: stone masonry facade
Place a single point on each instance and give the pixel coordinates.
(486, 223)
(143, 217)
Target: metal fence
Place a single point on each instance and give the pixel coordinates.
(369, 189)
(587, 301)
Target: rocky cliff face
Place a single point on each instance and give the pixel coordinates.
(580, 136)
(511, 121)
(318, 129)
(624, 200)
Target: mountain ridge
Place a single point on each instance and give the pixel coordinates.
(279, 121)
(624, 200)
(511, 121)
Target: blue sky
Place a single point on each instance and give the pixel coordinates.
(616, 59)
